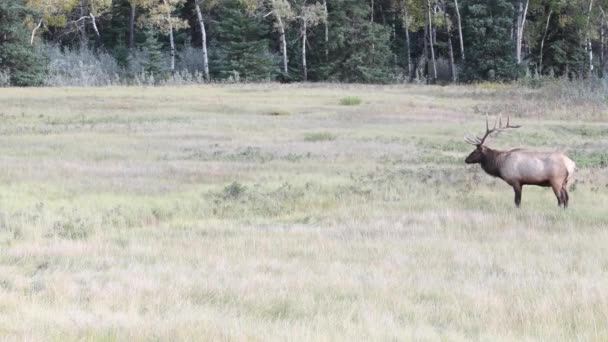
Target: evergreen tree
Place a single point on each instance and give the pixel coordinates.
(564, 54)
(152, 48)
(241, 44)
(16, 55)
(116, 33)
(360, 49)
(345, 41)
(487, 26)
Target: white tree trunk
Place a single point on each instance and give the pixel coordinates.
(132, 26)
(407, 39)
(34, 32)
(450, 48)
(602, 49)
(304, 68)
(430, 33)
(326, 22)
(521, 22)
(588, 42)
(371, 17)
(542, 43)
(171, 40)
(602, 41)
(199, 15)
(425, 58)
(93, 20)
(283, 44)
(459, 29)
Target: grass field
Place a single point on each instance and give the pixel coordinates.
(267, 212)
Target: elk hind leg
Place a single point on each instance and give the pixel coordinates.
(558, 191)
(565, 197)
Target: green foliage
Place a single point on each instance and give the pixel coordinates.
(117, 32)
(152, 48)
(360, 50)
(350, 101)
(244, 45)
(564, 52)
(240, 51)
(588, 159)
(489, 46)
(17, 58)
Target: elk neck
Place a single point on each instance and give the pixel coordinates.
(490, 162)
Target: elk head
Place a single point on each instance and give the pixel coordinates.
(477, 155)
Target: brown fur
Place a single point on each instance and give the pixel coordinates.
(520, 167)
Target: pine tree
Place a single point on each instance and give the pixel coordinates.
(17, 57)
(115, 35)
(240, 49)
(487, 26)
(360, 49)
(563, 52)
(154, 64)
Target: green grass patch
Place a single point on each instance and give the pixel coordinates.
(319, 136)
(350, 101)
(587, 159)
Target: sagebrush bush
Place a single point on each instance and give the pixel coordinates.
(190, 59)
(234, 190)
(88, 68)
(80, 67)
(5, 78)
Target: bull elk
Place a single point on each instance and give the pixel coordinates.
(519, 167)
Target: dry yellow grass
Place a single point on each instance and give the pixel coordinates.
(267, 212)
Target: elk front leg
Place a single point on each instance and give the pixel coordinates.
(517, 188)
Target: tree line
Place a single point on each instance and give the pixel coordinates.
(371, 41)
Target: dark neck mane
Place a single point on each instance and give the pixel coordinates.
(490, 162)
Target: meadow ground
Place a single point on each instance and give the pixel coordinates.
(268, 212)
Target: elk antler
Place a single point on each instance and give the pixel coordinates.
(477, 141)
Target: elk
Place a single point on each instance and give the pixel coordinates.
(519, 167)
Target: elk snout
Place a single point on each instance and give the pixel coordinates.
(474, 157)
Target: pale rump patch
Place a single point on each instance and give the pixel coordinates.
(570, 166)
